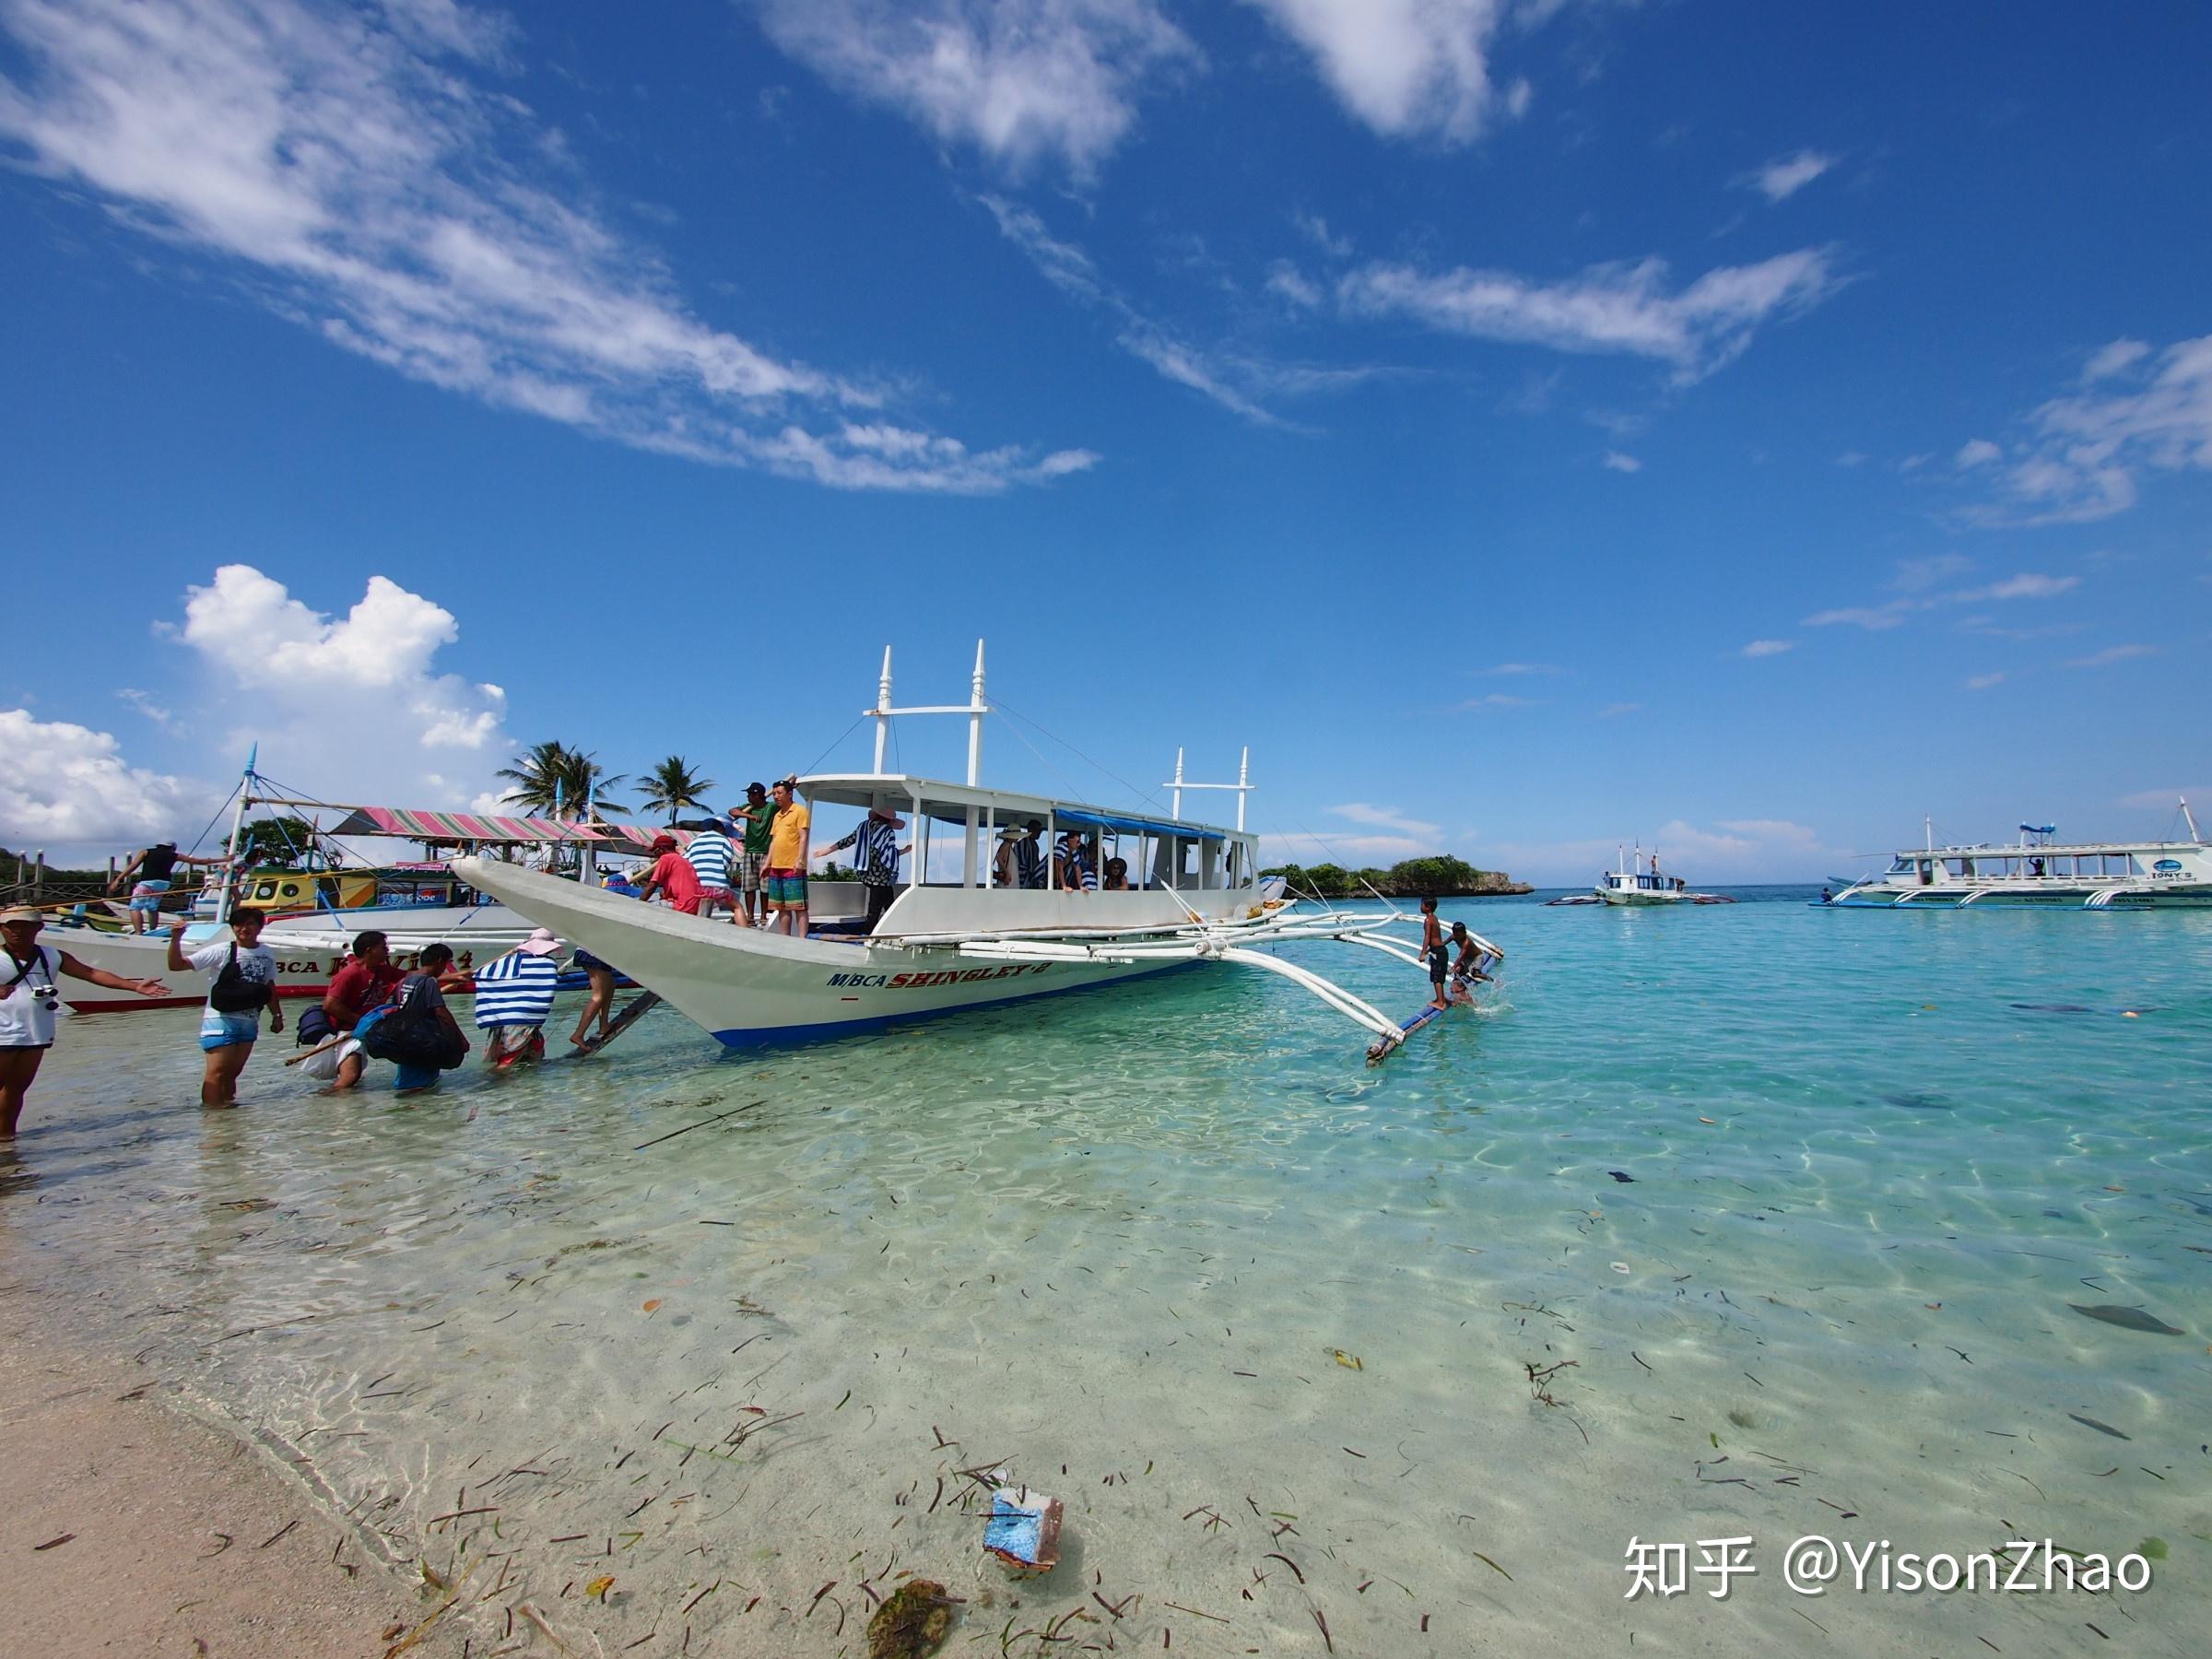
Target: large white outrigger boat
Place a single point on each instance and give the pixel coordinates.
(2042, 872)
(955, 937)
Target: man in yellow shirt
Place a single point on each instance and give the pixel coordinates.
(785, 877)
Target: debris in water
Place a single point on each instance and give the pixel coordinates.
(1618, 1176)
(2128, 1319)
(1024, 1529)
(2090, 1422)
(1349, 1361)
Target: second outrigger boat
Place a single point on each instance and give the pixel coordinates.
(2042, 872)
(951, 942)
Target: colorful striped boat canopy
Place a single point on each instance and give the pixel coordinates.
(412, 825)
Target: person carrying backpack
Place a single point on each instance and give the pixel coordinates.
(416, 1030)
(242, 981)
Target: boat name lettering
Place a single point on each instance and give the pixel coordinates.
(919, 981)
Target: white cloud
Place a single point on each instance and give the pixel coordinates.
(1983, 682)
(2145, 411)
(1976, 451)
(1408, 68)
(1786, 175)
(2112, 653)
(2027, 585)
(1316, 229)
(1020, 80)
(350, 167)
(1235, 380)
(143, 702)
(1611, 308)
(1288, 282)
(1915, 577)
(1615, 711)
(2111, 360)
(67, 789)
(1386, 817)
(1622, 464)
(1851, 458)
(1496, 699)
(353, 703)
(1520, 669)
(1767, 648)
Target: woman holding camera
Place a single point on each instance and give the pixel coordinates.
(29, 1003)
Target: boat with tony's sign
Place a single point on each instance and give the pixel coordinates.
(2040, 872)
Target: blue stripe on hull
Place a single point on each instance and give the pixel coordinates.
(742, 1037)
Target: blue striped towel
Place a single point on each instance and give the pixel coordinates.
(517, 989)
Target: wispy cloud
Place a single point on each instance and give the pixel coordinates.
(1519, 668)
(1385, 818)
(1621, 463)
(1916, 577)
(1615, 711)
(1767, 648)
(1629, 309)
(1983, 682)
(1411, 68)
(1786, 175)
(1023, 81)
(143, 701)
(2140, 411)
(1237, 380)
(362, 173)
(1496, 699)
(1976, 451)
(2112, 653)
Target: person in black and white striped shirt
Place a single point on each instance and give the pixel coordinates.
(875, 854)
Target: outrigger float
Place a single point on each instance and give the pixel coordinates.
(949, 943)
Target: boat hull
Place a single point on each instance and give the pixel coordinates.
(2058, 895)
(749, 988)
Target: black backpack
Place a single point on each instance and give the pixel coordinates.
(412, 1035)
(233, 993)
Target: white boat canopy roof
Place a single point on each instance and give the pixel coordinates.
(948, 803)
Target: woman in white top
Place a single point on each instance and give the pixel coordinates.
(28, 1004)
(242, 981)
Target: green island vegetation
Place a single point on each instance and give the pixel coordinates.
(1443, 876)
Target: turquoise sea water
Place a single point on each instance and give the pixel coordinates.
(1113, 1242)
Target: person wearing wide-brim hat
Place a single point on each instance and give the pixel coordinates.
(29, 1003)
(875, 854)
(1006, 864)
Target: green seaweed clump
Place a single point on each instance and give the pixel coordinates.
(915, 1618)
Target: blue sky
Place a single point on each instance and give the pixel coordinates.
(1528, 426)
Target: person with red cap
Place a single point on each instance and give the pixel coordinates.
(672, 873)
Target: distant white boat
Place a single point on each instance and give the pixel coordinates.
(2040, 872)
(1637, 881)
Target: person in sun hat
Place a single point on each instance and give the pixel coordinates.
(875, 854)
(671, 874)
(514, 999)
(758, 814)
(29, 1003)
(1006, 864)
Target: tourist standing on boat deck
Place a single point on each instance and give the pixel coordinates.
(514, 999)
(786, 873)
(1029, 855)
(671, 874)
(710, 852)
(875, 854)
(153, 867)
(29, 1002)
(242, 981)
(1006, 864)
(758, 815)
(1435, 954)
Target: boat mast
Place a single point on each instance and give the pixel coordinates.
(882, 710)
(2188, 818)
(237, 819)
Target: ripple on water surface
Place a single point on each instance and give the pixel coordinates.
(1876, 1169)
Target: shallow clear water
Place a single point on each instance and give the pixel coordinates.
(1110, 1242)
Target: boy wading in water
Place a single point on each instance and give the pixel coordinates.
(242, 981)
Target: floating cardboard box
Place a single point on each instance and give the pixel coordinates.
(1024, 1529)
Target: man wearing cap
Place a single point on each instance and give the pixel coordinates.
(514, 999)
(28, 1004)
(671, 874)
(759, 818)
(875, 854)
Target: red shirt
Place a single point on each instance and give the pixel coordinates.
(356, 988)
(673, 872)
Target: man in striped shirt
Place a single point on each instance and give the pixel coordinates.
(875, 854)
(711, 853)
(514, 999)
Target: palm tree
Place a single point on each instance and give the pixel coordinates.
(674, 786)
(553, 777)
